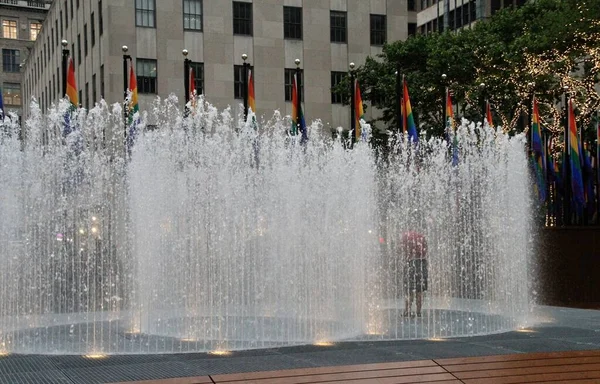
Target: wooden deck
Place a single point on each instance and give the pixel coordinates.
(553, 367)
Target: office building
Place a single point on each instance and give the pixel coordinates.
(21, 25)
(326, 35)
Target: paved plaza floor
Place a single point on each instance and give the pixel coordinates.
(556, 329)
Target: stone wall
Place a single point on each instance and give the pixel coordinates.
(566, 267)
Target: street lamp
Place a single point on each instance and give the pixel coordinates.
(246, 67)
(186, 76)
(483, 102)
(352, 106)
(65, 58)
(444, 100)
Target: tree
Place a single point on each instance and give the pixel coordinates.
(540, 47)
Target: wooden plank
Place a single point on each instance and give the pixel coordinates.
(516, 356)
(321, 370)
(440, 378)
(522, 364)
(179, 380)
(527, 371)
(309, 377)
(553, 377)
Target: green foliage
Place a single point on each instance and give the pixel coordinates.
(545, 43)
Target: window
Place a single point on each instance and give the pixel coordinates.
(80, 97)
(145, 15)
(100, 18)
(34, 30)
(289, 83)
(11, 93)
(411, 5)
(336, 78)
(292, 22)
(73, 52)
(412, 29)
(85, 39)
(93, 29)
(198, 77)
(102, 81)
(66, 15)
(146, 75)
(72, 14)
(192, 14)
(9, 29)
(94, 89)
(378, 29)
(242, 18)
(79, 50)
(62, 33)
(87, 96)
(337, 21)
(56, 32)
(77, 4)
(238, 81)
(11, 58)
(51, 46)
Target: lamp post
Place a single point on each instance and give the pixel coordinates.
(186, 82)
(126, 57)
(352, 106)
(245, 68)
(65, 61)
(483, 102)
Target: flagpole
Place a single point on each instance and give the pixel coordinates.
(398, 98)
(567, 162)
(444, 101)
(65, 60)
(483, 102)
(126, 57)
(186, 84)
(245, 67)
(352, 106)
(299, 128)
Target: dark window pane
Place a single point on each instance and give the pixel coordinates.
(11, 59)
(198, 77)
(338, 26)
(192, 14)
(289, 84)
(242, 18)
(336, 78)
(146, 75)
(292, 22)
(378, 29)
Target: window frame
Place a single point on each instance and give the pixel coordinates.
(13, 86)
(292, 29)
(336, 78)
(93, 29)
(288, 76)
(199, 16)
(9, 27)
(242, 24)
(142, 9)
(337, 31)
(146, 83)
(198, 76)
(238, 81)
(39, 30)
(11, 59)
(378, 36)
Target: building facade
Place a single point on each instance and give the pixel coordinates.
(443, 15)
(326, 35)
(21, 25)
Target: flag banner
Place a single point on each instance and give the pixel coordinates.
(192, 88)
(71, 95)
(251, 99)
(537, 154)
(298, 122)
(133, 112)
(488, 114)
(359, 112)
(575, 160)
(410, 120)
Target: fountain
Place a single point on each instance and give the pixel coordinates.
(211, 235)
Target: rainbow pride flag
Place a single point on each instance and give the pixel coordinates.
(410, 120)
(298, 123)
(133, 109)
(488, 113)
(575, 159)
(251, 99)
(71, 95)
(358, 111)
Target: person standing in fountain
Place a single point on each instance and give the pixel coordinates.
(414, 249)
